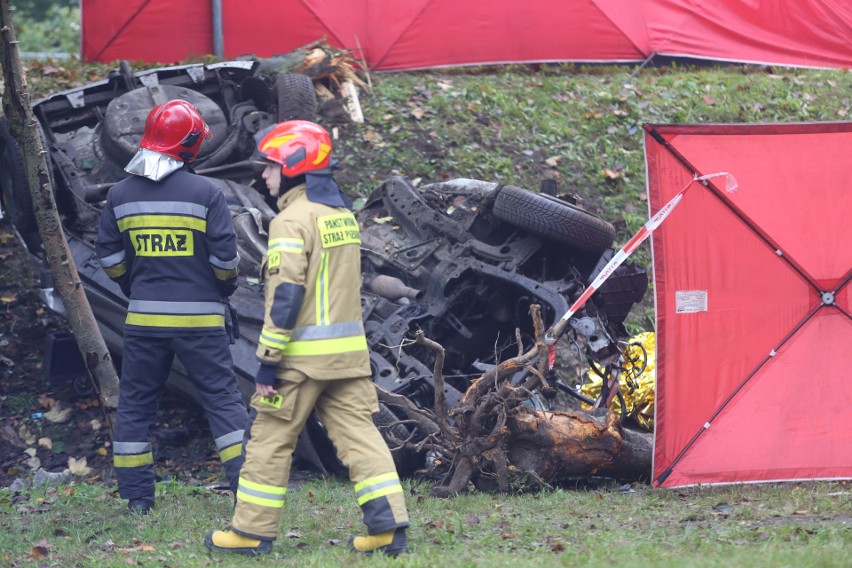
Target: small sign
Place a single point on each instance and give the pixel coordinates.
(690, 301)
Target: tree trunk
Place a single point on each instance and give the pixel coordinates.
(25, 128)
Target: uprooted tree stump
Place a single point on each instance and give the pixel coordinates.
(497, 442)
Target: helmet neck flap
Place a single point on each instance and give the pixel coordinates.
(152, 165)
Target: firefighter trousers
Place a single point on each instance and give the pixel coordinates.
(146, 363)
(345, 407)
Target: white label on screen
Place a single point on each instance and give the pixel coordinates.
(690, 301)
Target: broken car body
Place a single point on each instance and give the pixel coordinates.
(460, 260)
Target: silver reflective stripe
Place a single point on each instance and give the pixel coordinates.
(287, 245)
(152, 307)
(331, 331)
(274, 339)
(377, 486)
(261, 494)
(162, 207)
(224, 264)
(112, 259)
(223, 442)
(322, 290)
(129, 448)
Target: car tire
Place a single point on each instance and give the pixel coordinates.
(297, 99)
(553, 219)
(14, 186)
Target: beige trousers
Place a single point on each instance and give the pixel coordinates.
(345, 407)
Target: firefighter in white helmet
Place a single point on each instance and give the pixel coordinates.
(313, 353)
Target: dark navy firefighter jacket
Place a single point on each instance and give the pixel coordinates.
(171, 247)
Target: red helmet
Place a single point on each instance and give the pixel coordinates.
(299, 146)
(175, 128)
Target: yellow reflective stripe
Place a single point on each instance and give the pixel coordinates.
(322, 291)
(116, 271)
(168, 221)
(161, 320)
(378, 486)
(367, 483)
(326, 346)
(230, 453)
(273, 344)
(224, 274)
(133, 461)
(274, 340)
(252, 492)
(262, 501)
(383, 492)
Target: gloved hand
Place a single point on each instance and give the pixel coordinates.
(265, 375)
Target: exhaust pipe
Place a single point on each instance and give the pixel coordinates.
(392, 288)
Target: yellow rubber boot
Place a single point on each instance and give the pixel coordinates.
(229, 541)
(392, 543)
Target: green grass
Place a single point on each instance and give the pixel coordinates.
(774, 525)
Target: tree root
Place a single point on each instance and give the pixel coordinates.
(497, 441)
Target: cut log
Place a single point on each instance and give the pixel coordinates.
(562, 445)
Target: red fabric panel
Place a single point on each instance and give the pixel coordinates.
(428, 33)
(801, 32)
(390, 34)
(449, 32)
(791, 421)
(148, 30)
(755, 301)
(629, 17)
(789, 208)
(265, 28)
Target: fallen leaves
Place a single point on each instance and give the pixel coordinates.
(79, 466)
(374, 138)
(58, 415)
(136, 548)
(27, 436)
(41, 550)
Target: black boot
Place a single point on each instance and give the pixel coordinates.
(141, 505)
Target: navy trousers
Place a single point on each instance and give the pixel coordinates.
(146, 362)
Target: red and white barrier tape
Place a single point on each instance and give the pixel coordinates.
(631, 246)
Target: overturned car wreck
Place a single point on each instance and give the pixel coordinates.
(461, 261)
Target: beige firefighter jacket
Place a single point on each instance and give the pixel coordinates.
(312, 320)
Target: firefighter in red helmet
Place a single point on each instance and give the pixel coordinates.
(313, 353)
(167, 239)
